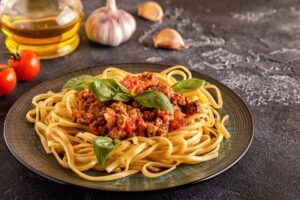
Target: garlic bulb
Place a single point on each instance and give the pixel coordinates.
(169, 39)
(110, 26)
(151, 10)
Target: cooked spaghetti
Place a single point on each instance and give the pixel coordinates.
(152, 139)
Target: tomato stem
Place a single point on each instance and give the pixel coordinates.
(4, 67)
(17, 56)
(14, 56)
(6, 52)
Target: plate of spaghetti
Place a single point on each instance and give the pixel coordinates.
(129, 127)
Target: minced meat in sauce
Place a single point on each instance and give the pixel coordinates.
(121, 120)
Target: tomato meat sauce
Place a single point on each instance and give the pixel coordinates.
(120, 120)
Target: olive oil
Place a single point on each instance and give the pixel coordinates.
(49, 33)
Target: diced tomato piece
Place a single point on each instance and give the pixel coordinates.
(120, 127)
(178, 122)
(162, 113)
(129, 82)
(149, 116)
(141, 126)
(93, 129)
(139, 88)
(130, 128)
(139, 120)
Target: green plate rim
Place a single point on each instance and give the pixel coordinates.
(121, 65)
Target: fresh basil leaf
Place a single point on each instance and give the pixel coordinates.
(188, 85)
(122, 88)
(103, 146)
(101, 90)
(124, 97)
(80, 83)
(154, 99)
(114, 85)
(108, 89)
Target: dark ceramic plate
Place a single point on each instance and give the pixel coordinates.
(25, 145)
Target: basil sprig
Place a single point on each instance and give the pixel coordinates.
(154, 99)
(109, 89)
(103, 146)
(188, 85)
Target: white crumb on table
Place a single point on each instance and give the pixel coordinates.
(268, 89)
(221, 59)
(253, 16)
(154, 59)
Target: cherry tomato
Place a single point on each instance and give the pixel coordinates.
(26, 65)
(8, 80)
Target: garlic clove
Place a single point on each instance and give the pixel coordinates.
(151, 10)
(169, 39)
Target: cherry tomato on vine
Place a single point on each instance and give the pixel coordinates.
(8, 80)
(26, 64)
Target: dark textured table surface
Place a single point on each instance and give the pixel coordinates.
(253, 46)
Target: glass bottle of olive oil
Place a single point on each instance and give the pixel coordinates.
(47, 27)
